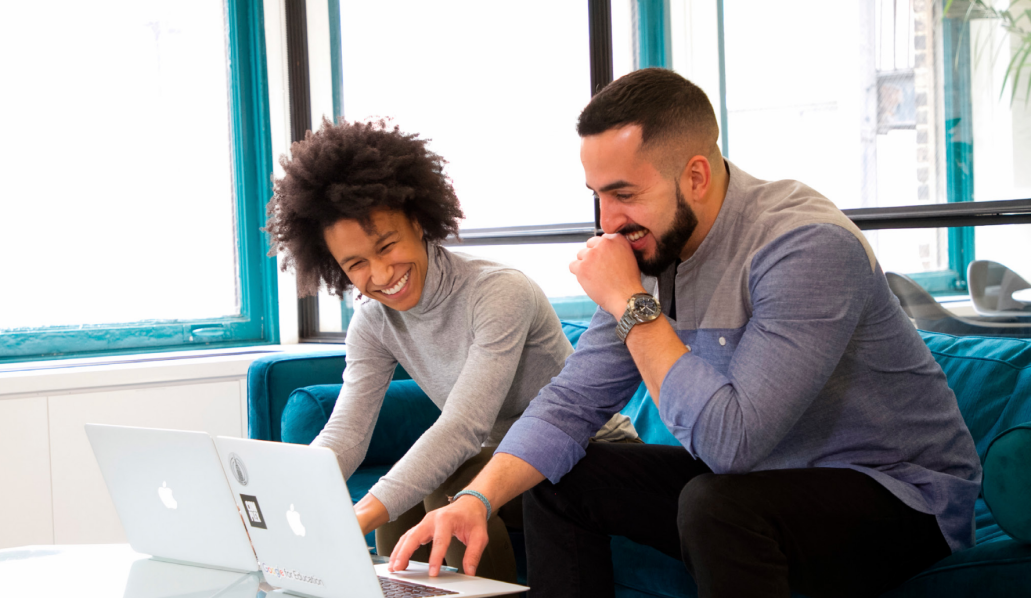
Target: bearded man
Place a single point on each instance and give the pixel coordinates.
(822, 450)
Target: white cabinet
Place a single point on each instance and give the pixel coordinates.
(51, 490)
(82, 509)
(25, 498)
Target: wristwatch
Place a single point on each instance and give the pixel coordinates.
(640, 308)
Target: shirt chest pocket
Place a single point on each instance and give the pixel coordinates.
(716, 346)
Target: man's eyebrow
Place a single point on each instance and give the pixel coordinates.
(620, 184)
(379, 240)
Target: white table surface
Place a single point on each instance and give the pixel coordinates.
(1023, 295)
(116, 571)
(113, 571)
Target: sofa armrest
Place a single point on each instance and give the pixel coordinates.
(405, 414)
(272, 378)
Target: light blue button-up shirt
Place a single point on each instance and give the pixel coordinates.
(800, 357)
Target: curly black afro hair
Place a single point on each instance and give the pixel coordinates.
(347, 171)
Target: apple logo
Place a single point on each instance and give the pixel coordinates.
(294, 519)
(166, 496)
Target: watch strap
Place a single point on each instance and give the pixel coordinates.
(632, 317)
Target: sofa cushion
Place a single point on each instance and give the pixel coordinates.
(991, 378)
(1000, 568)
(573, 330)
(640, 570)
(985, 526)
(1007, 481)
(406, 413)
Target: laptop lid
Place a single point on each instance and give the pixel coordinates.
(171, 496)
(304, 530)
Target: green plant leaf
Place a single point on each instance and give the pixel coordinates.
(1015, 65)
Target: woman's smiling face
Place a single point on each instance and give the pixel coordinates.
(386, 262)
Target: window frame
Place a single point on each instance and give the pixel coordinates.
(258, 322)
(959, 160)
(653, 49)
(600, 39)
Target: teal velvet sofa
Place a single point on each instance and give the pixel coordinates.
(290, 397)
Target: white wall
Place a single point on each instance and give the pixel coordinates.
(51, 490)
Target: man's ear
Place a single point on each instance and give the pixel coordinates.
(696, 178)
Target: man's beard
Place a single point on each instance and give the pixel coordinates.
(670, 245)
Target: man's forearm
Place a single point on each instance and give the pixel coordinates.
(504, 478)
(655, 347)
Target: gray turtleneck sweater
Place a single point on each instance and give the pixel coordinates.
(481, 342)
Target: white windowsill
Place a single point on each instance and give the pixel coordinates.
(33, 378)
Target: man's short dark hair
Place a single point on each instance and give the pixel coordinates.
(671, 111)
(347, 171)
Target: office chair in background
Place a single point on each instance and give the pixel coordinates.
(991, 289)
(929, 315)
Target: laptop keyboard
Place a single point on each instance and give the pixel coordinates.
(395, 588)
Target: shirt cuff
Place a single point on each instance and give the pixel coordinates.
(687, 388)
(543, 445)
(392, 496)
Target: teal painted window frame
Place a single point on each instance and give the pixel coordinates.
(959, 150)
(258, 322)
(653, 34)
(959, 158)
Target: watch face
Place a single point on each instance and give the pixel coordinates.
(645, 307)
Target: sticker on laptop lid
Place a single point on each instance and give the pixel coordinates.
(254, 516)
(238, 469)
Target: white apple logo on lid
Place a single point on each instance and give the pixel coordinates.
(294, 519)
(166, 496)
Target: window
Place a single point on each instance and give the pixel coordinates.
(902, 104)
(876, 105)
(889, 109)
(136, 161)
(497, 88)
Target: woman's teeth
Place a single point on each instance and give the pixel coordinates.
(397, 287)
(636, 235)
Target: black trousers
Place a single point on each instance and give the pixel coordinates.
(818, 531)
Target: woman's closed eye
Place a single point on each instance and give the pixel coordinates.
(355, 265)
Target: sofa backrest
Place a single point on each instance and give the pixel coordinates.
(991, 377)
(271, 379)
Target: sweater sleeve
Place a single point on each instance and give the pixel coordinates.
(502, 310)
(809, 288)
(366, 378)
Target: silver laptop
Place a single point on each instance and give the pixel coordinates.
(172, 496)
(305, 532)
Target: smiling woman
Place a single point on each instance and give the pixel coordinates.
(366, 206)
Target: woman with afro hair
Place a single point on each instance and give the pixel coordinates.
(365, 205)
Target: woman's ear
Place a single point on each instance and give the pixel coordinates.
(417, 227)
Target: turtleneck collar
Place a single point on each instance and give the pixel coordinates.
(440, 280)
